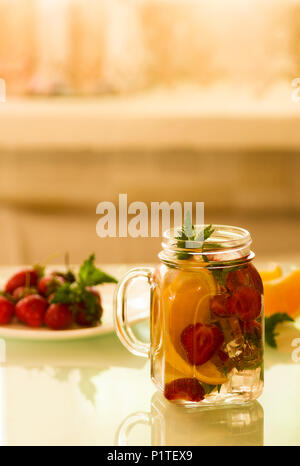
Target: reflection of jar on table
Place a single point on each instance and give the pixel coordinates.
(220, 425)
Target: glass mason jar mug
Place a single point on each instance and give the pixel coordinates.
(206, 320)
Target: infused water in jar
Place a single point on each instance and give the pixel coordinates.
(206, 317)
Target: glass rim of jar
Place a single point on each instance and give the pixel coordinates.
(228, 245)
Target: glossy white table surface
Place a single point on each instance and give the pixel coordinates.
(85, 392)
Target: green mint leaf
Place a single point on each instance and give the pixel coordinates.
(208, 231)
(188, 226)
(90, 275)
(65, 294)
(270, 326)
(181, 235)
(205, 233)
(219, 275)
(186, 237)
(181, 243)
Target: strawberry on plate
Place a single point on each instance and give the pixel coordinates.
(84, 300)
(7, 310)
(68, 296)
(58, 316)
(31, 310)
(23, 278)
(23, 291)
(83, 316)
(201, 341)
(49, 284)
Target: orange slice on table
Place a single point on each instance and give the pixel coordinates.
(283, 294)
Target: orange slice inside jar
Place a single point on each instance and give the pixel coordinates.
(186, 301)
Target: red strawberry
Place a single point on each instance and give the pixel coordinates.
(200, 342)
(67, 276)
(247, 276)
(219, 305)
(58, 316)
(50, 297)
(31, 310)
(25, 277)
(95, 292)
(49, 284)
(82, 317)
(245, 303)
(184, 389)
(22, 291)
(7, 309)
(252, 327)
(223, 356)
(255, 278)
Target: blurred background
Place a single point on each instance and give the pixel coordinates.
(187, 100)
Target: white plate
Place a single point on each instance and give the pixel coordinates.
(137, 307)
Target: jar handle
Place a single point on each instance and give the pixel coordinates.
(122, 435)
(122, 326)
